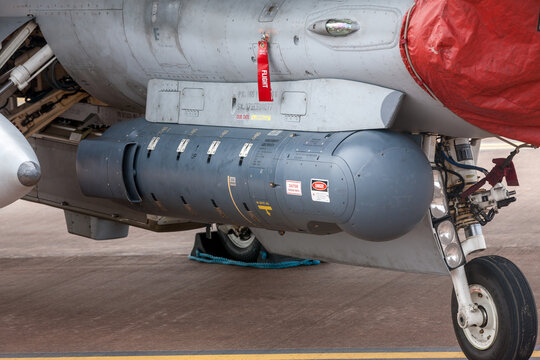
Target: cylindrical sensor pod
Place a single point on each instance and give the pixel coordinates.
(375, 185)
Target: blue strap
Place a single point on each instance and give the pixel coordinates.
(210, 259)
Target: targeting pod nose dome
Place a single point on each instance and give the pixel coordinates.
(393, 184)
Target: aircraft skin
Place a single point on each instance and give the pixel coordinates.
(354, 161)
(214, 41)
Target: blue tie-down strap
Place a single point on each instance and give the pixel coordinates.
(210, 259)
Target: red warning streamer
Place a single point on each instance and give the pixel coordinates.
(263, 69)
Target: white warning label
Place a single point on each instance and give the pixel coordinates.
(153, 143)
(213, 148)
(319, 190)
(274, 133)
(245, 150)
(182, 146)
(294, 187)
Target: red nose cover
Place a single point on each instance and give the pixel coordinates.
(481, 58)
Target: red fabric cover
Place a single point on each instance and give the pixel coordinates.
(481, 58)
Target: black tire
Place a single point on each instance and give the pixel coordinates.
(247, 252)
(517, 325)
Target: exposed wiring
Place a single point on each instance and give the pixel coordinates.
(66, 84)
(470, 209)
(35, 97)
(506, 141)
(441, 166)
(463, 166)
(515, 152)
(459, 188)
(44, 109)
(481, 216)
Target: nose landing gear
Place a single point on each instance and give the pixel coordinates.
(502, 296)
(493, 309)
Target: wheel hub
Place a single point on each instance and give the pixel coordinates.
(482, 337)
(241, 237)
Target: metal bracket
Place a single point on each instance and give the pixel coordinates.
(302, 105)
(62, 101)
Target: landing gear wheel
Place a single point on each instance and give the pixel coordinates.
(502, 293)
(239, 242)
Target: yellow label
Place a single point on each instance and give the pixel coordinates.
(261, 117)
(265, 206)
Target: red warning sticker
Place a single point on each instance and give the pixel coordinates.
(319, 185)
(319, 190)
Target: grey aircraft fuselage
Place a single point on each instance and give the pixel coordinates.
(112, 48)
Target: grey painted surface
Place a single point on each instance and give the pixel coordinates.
(58, 185)
(113, 48)
(393, 182)
(376, 185)
(8, 25)
(105, 114)
(93, 227)
(417, 251)
(305, 105)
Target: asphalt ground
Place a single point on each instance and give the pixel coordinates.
(141, 297)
